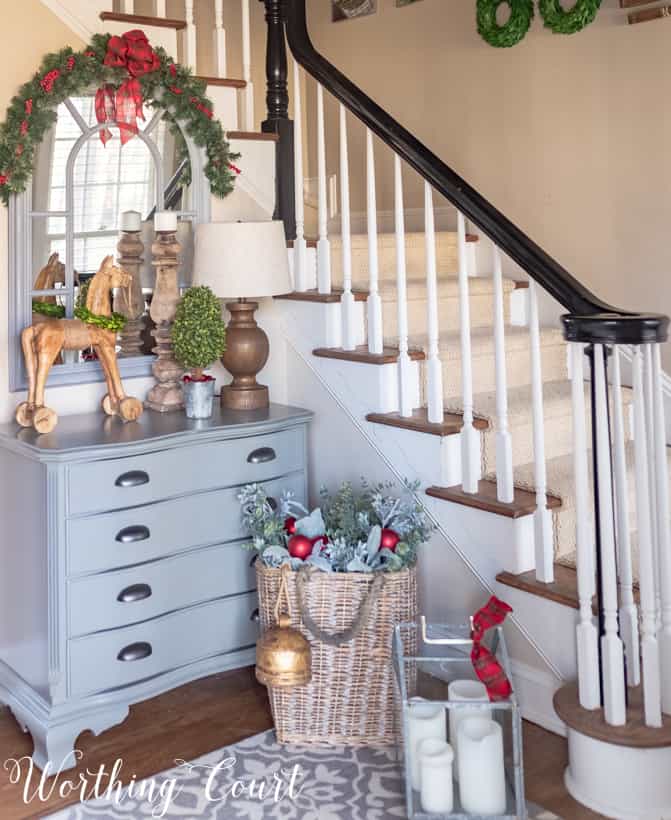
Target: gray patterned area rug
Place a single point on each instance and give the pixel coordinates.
(258, 779)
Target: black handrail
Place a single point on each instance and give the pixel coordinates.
(589, 315)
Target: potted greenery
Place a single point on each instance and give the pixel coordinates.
(199, 339)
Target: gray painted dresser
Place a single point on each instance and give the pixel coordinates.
(121, 568)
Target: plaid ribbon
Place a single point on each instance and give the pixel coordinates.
(487, 668)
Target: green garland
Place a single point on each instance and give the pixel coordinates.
(509, 34)
(49, 309)
(171, 88)
(568, 22)
(115, 322)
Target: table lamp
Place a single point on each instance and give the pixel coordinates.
(242, 262)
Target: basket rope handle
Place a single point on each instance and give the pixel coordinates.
(283, 620)
(305, 575)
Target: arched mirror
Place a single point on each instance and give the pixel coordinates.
(70, 218)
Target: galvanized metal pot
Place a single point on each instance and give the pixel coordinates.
(198, 398)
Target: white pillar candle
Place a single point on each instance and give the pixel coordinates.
(482, 780)
(424, 721)
(435, 764)
(165, 221)
(469, 691)
(131, 221)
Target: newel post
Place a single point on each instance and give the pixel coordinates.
(278, 122)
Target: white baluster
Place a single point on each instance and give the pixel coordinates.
(612, 650)
(434, 366)
(300, 246)
(470, 438)
(374, 303)
(628, 610)
(650, 429)
(587, 636)
(404, 363)
(159, 8)
(542, 516)
(247, 66)
(663, 534)
(190, 42)
(347, 300)
(505, 490)
(650, 671)
(323, 245)
(219, 38)
(128, 6)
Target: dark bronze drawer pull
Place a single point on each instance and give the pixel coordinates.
(136, 533)
(255, 616)
(134, 652)
(136, 592)
(262, 455)
(134, 478)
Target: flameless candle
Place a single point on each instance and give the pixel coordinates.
(165, 221)
(482, 781)
(131, 221)
(465, 691)
(424, 721)
(435, 764)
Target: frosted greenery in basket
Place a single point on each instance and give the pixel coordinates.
(365, 530)
(198, 332)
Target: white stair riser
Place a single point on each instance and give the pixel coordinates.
(225, 101)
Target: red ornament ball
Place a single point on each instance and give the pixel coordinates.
(299, 546)
(290, 525)
(389, 540)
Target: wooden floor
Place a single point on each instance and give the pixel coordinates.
(223, 709)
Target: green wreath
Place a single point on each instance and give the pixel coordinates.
(166, 86)
(561, 21)
(49, 309)
(509, 34)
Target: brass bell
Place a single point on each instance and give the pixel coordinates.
(283, 656)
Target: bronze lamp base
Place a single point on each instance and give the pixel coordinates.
(247, 349)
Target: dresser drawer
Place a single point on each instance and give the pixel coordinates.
(113, 540)
(113, 599)
(123, 656)
(127, 482)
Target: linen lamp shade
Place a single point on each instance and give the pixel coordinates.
(242, 260)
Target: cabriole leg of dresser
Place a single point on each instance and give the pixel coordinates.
(54, 741)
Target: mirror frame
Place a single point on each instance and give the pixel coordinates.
(21, 276)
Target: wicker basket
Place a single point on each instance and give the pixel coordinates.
(350, 699)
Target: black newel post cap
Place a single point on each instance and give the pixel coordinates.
(616, 328)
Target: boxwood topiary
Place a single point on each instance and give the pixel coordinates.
(198, 332)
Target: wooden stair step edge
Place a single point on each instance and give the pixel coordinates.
(321, 298)
(362, 355)
(265, 136)
(524, 501)
(563, 590)
(591, 722)
(222, 81)
(140, 20)
(419, 422)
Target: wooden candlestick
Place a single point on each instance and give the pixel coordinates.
(129, 302)
(166, 395)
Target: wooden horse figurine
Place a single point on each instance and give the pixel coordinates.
(42, 343)
(52, 274)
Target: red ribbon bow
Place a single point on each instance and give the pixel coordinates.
(132, 52)
(487, 668)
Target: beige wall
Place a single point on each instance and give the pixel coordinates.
(569, 136)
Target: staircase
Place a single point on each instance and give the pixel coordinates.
(531, 412)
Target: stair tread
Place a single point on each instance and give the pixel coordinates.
(419, 422)
(142, 20)
(563, 590)
(389, 238)
(321, 298)
(267, 136)
(228, 82)
(448, 286)
(482, 340)
(524, 502)
(362, 355)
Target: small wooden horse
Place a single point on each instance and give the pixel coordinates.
(42, 343)
(52, 274)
